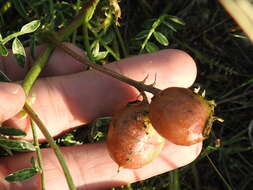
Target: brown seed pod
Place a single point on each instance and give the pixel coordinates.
(181, 116)
(132, 141)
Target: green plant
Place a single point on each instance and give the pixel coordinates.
(17, 47)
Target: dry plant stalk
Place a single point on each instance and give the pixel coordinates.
(242, 12)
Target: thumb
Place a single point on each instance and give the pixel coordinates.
(12, 99)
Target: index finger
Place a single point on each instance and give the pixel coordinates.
(92, 168)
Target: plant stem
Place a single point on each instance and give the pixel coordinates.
(174, 180)
(10, 37)
(78, 4)
(139, 85)
(103, 43)
(219, 174)
(86, 41)
(195, 176)
(77, 21)
(151, 31)
(87, 16)
(39, 155)
(36, 69)
(121, 41)
(52, 144)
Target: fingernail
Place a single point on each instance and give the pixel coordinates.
(10, 88)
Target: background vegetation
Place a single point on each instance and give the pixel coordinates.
(203, 29)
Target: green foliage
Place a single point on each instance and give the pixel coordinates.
(18, 51)
(17, 145)
(151, 47)
(68, 139)
(17, 48)
(21, 175)
(98, 131)
(24, 174)
(162, 39)
(159, 28)
(96, 53)
(10, 131)
(30, 27)
(3, 50)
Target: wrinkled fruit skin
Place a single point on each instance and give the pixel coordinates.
(180, 115)
(132, 141)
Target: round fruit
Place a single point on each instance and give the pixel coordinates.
(132, 141)
(180, 115)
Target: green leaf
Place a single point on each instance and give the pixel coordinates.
(97, 55)
(90, 11)
(161, 38)
(100, 55)
(151, 47)
(30, 27)
(21, 175)
(17, 145)
(3, 50)
(19, 52)
(176, 20)
(10, 131)
(170, 26)
(95, 48)
(5, 151)
(141, 35)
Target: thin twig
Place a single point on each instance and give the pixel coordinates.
(219, 174)
(139, 85)
(52, 144)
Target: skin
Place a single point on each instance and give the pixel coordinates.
(67, 98)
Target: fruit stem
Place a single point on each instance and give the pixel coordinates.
(98, 37)
(139, 85)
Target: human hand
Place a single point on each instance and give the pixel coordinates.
(69, 97)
